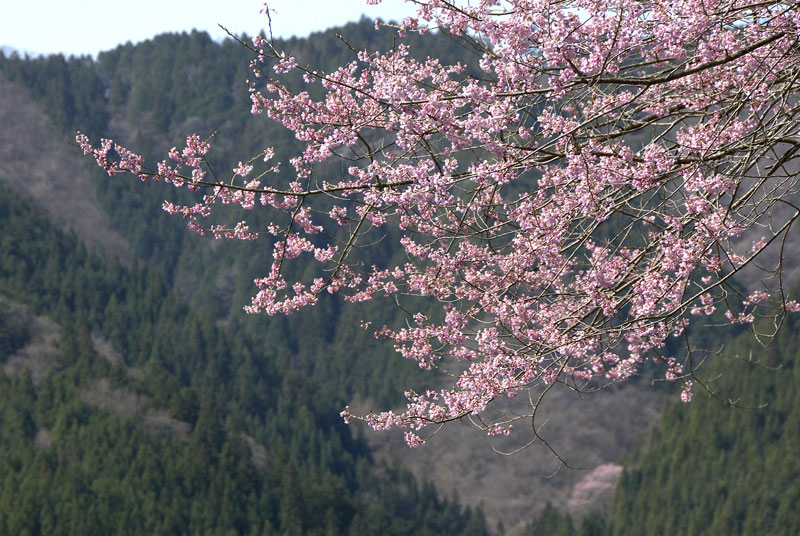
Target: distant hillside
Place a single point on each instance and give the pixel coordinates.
(38, 161)
(123, 411)
(710, 468)
(154, 365)
(148, 96)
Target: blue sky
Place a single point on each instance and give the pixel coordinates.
(89, 26)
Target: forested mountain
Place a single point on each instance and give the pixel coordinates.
(192, 428)
(138, 398)
(724, 464)
(711, 468)
(129, 403)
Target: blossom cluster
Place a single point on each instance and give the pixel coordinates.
(569, 209)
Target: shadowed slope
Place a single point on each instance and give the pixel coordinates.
(38, 162)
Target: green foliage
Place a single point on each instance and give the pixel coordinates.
(711, 468)
(15, 327)
(218, 434)
(551, 522)
(70, 89)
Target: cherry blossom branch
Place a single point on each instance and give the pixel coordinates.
(565, 213)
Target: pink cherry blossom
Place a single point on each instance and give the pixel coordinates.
(565, 211)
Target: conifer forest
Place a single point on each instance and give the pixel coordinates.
(505, 268)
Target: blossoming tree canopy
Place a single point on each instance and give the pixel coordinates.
(567, 202)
